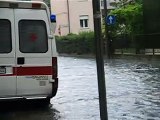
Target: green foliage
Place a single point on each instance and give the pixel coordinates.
(47, 2)
(139, 1)
(129, 24)
(129, 20)
(73, 43)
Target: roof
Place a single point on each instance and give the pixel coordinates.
(22, 4)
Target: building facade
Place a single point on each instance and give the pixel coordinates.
(75, 16)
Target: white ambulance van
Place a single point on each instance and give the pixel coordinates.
(28, 56)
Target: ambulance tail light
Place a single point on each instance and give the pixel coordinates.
(54, 67)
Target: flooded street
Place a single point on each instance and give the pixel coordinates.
(133, 92)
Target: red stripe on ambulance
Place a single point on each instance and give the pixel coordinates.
(26, 71)
(44, 70)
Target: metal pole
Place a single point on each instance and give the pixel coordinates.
(106, 31)
(69, 27)
(99, 60)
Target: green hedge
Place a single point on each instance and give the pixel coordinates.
(82, 43)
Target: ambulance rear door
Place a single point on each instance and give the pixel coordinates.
(7, 53)
(33, 52)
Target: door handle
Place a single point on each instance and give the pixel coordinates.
(20, 60)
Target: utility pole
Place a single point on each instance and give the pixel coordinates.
(99, 60)
(68, 11)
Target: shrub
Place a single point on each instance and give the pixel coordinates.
(83, 43)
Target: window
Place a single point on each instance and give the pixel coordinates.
(33, 36)
(102, 3)
(84, 21)
(5, 36)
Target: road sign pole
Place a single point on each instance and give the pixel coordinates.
(107, 50)
(99, 60)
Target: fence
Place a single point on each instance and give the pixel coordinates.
(137, 44)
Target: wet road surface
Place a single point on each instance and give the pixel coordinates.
(133, 92)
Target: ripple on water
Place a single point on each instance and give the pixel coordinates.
(132, 89)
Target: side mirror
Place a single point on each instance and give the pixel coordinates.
(50, 36)
(53, 22)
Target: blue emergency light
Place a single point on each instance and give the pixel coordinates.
(53, 18)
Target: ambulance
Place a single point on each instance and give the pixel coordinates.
(28, 56)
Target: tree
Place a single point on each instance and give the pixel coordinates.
(138, 1)
(129, 20)
(47, 2)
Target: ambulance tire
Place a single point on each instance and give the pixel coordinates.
(44, 102)
(38, 102)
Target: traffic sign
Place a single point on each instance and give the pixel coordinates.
(111, 19)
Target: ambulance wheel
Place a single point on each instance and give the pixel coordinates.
(44, 102)
(38, 102)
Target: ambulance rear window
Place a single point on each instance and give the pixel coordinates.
(33, 36)
(5, 36)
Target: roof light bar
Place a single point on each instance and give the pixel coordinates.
(53, 18)
(22, 4)
(36, 5)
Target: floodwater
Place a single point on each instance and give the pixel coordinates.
(133, 92)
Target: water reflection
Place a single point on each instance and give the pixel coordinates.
(133, 92)
(27, 111)
(133, 88)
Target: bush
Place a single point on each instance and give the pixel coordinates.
(73, 43)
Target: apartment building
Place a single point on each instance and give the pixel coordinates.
(75, 16)
(111, 4)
